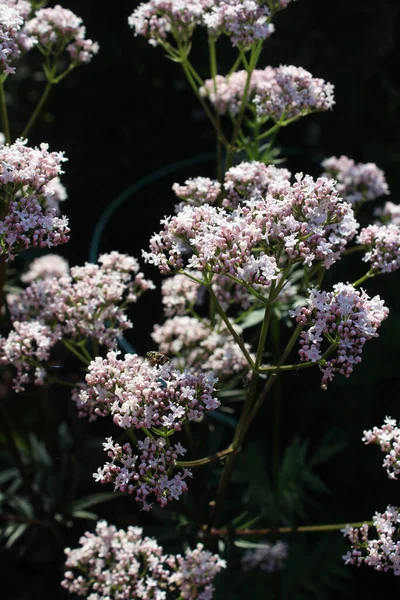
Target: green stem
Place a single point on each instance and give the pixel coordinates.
(230, 327)
(368, 275)
(4, 112)
(70, 346)
(274, 530)
(37, 110)
(276, 127)
(189, 76)
(255, 54)
(206, 460)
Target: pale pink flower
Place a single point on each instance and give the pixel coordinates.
(382, 243)
(346, 318)
(109, 564)
(356, 182)
(146, 474)
(49, 265)
(26, 348)
(57, 29)
(388, 438)
(381, 553)
(138, 394)
(389, 214)
(194, 572)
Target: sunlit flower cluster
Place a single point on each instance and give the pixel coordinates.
(196, 191)
(381, 553)
(345, 319)
(383, 247)
(56, 29)
(307, 220)
(10, 26)
(47, 266)
(388, 438)
(279, 93)
(89, 302)
(356, 182)
(266, 557)
(294, 92)
(250, 180)
(138, 394)
(157, 19)
(109, 564)
(243, 21)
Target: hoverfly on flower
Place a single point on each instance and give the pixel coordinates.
(156, 358)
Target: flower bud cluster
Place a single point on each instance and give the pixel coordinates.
(200, 346)
(243, 22)
(89, 302)
(44, 267)
(307, 220)
(146, 474)
(10, 27)
(388, 438)
(194, 572)
(279, 93)
(109, 564)
(356, 182)
(346, 318)
(383, 247)
(27, 346)
(197, 191)
(141, 395)
(293, 93)
(267, 557)
(56, 29)
(381, 553)
(241, 182)
(27, 180)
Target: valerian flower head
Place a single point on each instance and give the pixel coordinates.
(294, 92)
(356, 182)
(381, 553)
(10, 26)
(266, 557)
(89, 302)
(148, 474)
(57, 29)
(139, 394)
(388, 438)
(346, 318)
(26, 348)
(47, 266)
(197, 191)
(383, 247)
(279, 93)
(389, 214)
(194, 572)
(109, 564)
(159, 19)
(250, 180)
(243, 21)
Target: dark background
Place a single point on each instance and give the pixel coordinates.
(130, 112)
